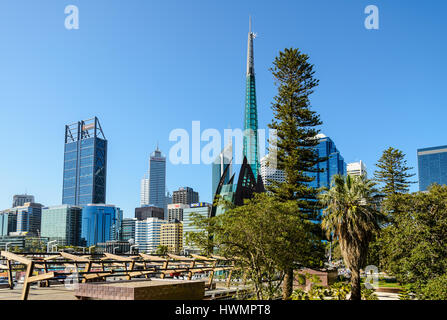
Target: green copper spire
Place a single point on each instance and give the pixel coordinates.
(251, 111)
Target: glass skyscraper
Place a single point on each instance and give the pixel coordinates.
(218, 167)
(334, 164)
(62, 223)
(250, 141)
(100, 223)
(85, 163)
(432, 166)
(153, 185)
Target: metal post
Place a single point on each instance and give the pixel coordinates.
(6, 245)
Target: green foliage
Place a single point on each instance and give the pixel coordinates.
(295, 124)
(162, 250)
(267, 236)
(202, 238)
(414, 246)
(351, 215)
(393, 172)
(337, 291)
(435, 289)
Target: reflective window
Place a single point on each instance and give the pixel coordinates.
(71, 156)
(71, 146)
(85, 162)
(87, 142)
(86, 171)
(70, 165)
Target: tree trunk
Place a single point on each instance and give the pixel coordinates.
(287, 286)
(356, 293)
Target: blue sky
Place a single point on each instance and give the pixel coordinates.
(147, 67)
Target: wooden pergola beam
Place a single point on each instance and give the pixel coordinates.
(15, 257)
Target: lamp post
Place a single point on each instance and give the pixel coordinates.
(114, 249)
(133, 246)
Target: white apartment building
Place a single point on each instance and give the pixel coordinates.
(357, 168)
(147, 234)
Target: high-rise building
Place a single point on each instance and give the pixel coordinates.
(218, 166)
(149, 212)
(20, 199)
(185, 195)
(29, 218)
(432, 166)
(250, 140)
(129, 225)
(334, 163)
(202, 209)
(8, 221)
(269, 171)
(357, 169)
(175, 211)
(100, 223)
(153, 185)
(171, 236)
(147, 234)
(62, 223)
(85, 163)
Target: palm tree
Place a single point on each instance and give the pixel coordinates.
(351, 215)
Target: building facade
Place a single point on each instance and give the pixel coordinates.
(129, 225)
(175, 211)
(19, 200)
(202, 209)
(29, 218)
(432, 166)
(100, 223)
(357, 169)
(85, 163)
(334, 163)
(269, 172)
(149, 211)
(218, 167)
(171, 236)
(153, 185)
(62, 223)
(185, 195)
(8, 221)
(147, 234)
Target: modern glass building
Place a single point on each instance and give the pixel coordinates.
(250, 140)
(202, 209)
(153, 185)
(29, 218)
(129, 229)
(432, 166)
(62, 223)
(85, 163)
(100, 223)
(185, 195)
(20, 199)
(8, 221)
(147, 234)
(218, 167)
(334, 163)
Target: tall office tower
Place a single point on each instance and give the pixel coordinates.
(153, 185)
(20, 199)
(269, 172)
(29, 218)
(147, 234)
(218, 167)
(129, 225)
(144, 193)
(85, 163)
(175, 211)
(334, 163)
(63, 224)
(250, 141)
(357, 169)
(432, 166)
(8, 221)
(100, 223)
(149, 212)
(171, 236)
(185, 195)
(202, 209)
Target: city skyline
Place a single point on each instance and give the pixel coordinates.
(50, 92)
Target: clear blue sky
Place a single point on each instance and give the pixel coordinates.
(147, 67)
